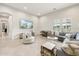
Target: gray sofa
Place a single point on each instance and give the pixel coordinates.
(70, 46)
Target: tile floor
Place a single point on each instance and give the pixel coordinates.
(17, 48)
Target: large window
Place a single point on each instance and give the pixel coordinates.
(62, 26)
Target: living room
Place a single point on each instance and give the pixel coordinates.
(39, 29)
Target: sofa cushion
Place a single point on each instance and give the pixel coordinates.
(71, 49)
(75, 49)
(62, 34)
(67, 49)
(73, 36)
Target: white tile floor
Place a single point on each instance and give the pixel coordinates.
(16, 48)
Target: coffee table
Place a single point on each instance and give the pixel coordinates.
(47, 49)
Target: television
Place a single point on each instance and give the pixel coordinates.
(26, 24)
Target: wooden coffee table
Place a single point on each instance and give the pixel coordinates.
(47, 49)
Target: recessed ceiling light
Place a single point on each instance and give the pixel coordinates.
(25, 8)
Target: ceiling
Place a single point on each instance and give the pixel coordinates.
(38, 9)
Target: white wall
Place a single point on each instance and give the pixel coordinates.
(46, 22)
(16, 16)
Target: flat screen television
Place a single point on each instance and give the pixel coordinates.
(26, 24)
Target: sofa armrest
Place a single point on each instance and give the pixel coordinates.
(74, 46)
(73, 42)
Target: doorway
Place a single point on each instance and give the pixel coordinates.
(4, 27)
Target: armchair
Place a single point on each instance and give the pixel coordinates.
(28, 38)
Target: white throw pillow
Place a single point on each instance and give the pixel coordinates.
(77, 36)
(66, 40)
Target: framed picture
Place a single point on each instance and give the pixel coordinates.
(26, 24)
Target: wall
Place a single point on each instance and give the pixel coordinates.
(47, 21)
(16, 16)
